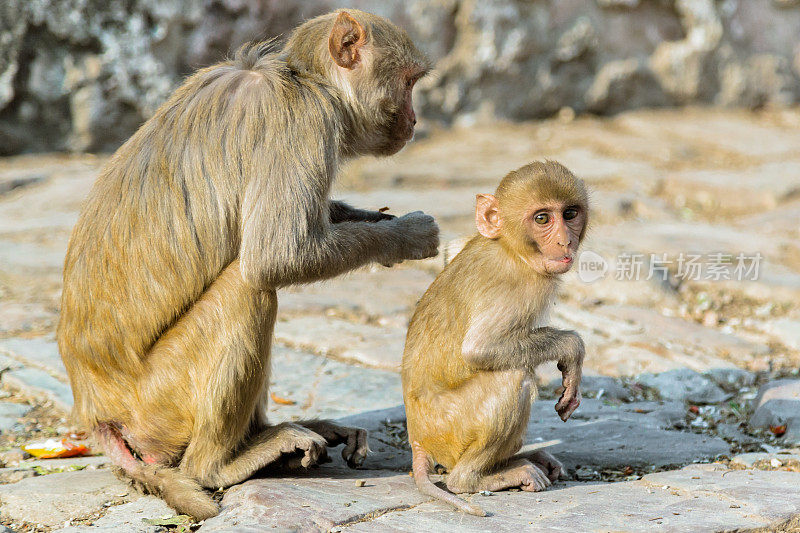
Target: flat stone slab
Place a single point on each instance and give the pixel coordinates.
(372, 292)
(19, 317)
(317, 502)
(374, 346)
(695, 498)
(128, 517)
(700, 346)
(770, 496)
(778, 403)
(32, 467)
(599, 436)
(730, 131)
(51, 201)
(731, 378)
(54, 499)
(25, 257)
(600, 170)
(38, 351)
(36, 370)
(673, 237)
(785, 330)
(629, 340)
(684, 385)
(325, 388)
(748, 190)
(10, 412)
(88, 461)
(40, 386)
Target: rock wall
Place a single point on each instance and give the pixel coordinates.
(82, 74)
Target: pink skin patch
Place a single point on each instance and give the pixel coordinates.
(116, 448)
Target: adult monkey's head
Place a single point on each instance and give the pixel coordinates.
(374, 64)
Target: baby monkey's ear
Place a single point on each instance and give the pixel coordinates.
(487, 216)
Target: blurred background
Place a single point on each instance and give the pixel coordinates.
(81, 75)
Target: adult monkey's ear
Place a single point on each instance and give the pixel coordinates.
(487, 216)
(345, 41)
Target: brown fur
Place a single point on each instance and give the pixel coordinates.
(219, 199)
(476, 337)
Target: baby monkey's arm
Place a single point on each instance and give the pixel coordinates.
(520, 347)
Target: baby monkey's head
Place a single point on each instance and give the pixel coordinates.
(539, 213)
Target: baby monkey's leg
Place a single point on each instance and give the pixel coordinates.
(517, 473)
(495, 429)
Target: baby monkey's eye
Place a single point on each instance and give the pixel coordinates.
(541, 218)
(570, 213)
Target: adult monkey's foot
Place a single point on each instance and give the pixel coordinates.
(354, 439)
(551, 466)
(300, 446)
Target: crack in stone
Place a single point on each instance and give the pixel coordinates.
(20, 183)
(372, 515)
(704, 493)
(333, 355)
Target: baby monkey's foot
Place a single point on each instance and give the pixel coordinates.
(519, 473)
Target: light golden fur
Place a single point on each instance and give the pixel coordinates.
(218, 200)
(473, 342)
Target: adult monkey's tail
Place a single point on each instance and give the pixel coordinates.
(421, 467)
(179, 491)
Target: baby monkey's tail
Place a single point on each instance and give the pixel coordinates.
(421, 467)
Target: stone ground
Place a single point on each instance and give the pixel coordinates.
(674, 366)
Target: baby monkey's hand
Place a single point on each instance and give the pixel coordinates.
(571, 397)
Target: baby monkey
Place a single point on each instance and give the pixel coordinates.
(477, 336)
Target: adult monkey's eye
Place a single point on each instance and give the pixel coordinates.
(541, 218)
(570, 213)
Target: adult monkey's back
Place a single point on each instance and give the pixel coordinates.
(219, 199)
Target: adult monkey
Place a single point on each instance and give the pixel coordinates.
(220, 198)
